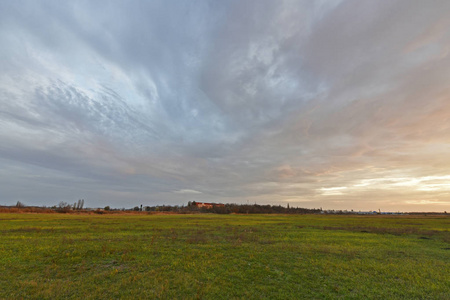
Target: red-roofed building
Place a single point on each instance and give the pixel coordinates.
(208, 205)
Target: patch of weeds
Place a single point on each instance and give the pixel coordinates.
(266, 242)
(199, 237)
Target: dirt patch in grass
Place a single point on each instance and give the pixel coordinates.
(25, 229)
(384, 230)
(198, 237)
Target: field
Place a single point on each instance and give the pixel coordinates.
(224, 256)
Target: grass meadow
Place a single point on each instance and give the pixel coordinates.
(204, 256)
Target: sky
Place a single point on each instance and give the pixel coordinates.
(332, 104)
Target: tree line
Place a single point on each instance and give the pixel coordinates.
(191, 207)
(231, 208)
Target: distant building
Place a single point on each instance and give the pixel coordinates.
(208, 205)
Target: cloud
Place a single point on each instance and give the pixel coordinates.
(318, 102)
(187, 191)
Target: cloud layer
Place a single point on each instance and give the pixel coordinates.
(333, 104)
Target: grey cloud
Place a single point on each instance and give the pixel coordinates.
(241, 101)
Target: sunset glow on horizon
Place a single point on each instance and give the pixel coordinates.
(332, 104)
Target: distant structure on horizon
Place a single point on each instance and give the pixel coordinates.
(207, 205)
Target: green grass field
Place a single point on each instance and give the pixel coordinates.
(224, 256)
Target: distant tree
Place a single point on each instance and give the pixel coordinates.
(20, 204)
(136, 208)
(107, 208)
(64, 206)
(79, 204)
